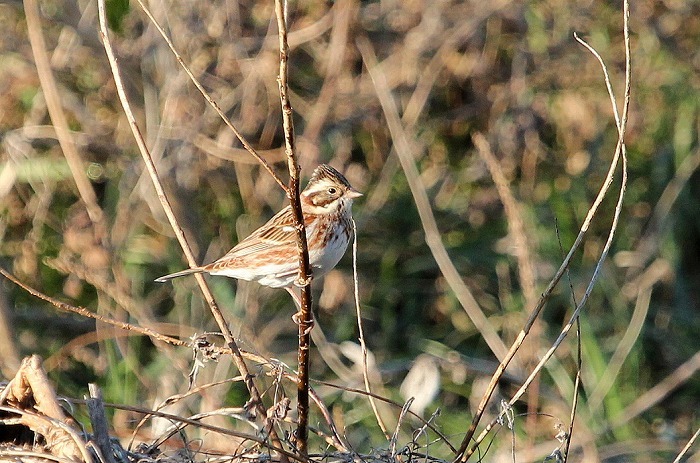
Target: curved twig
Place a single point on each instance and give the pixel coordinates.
(466, 450)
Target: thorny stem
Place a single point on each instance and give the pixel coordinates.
(305, 318)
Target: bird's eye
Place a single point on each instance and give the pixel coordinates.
(332, 190)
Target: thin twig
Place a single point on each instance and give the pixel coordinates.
(338, 441)
(304, 281)
(153, 174)
(394, 404)
(687, 446)
(363, 345)
(465, 450)
(395, 436)
(199, 424)
(210, 100)
(420, 196)
(579, 360)
(88, 314)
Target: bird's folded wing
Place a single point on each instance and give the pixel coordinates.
(277, 232)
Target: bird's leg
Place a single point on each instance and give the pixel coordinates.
(295, 292)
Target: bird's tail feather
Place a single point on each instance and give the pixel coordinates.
(181, 273)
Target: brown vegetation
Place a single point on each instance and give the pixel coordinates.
(480, 132)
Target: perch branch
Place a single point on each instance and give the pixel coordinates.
(150, 166)
(305, 315)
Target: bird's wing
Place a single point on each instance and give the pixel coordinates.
(277, 232)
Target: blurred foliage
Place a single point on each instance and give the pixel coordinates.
(510, 70)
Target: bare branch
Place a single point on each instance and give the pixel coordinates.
(305, 318)
(153, 174)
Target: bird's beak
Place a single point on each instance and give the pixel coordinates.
(353, 193)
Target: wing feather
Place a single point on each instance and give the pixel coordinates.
(277, 232)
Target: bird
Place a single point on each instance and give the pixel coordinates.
(270, 255)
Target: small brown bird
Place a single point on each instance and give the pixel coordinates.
(270, 255)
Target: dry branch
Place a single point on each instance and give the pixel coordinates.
(31, 396)
(153, 174)
(305, 318)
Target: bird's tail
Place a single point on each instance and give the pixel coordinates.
(182, 273)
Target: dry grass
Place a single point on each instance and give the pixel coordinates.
(457, 235)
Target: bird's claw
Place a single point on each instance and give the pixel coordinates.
(296, 318)
(301, 282)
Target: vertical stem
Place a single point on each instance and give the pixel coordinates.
(305, 315)
(256, 399)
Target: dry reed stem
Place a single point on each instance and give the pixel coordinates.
(657, 393)
(59, 120)
(629, 338)
(153, 174)
(403, 148)
(465, 450)
(649, 243)
(343, 12)
(419, 98)
(521, 250)
(363, 345)
(687, 446)
(514, 217)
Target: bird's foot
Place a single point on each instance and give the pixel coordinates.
(301, 282)
(296, 318)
